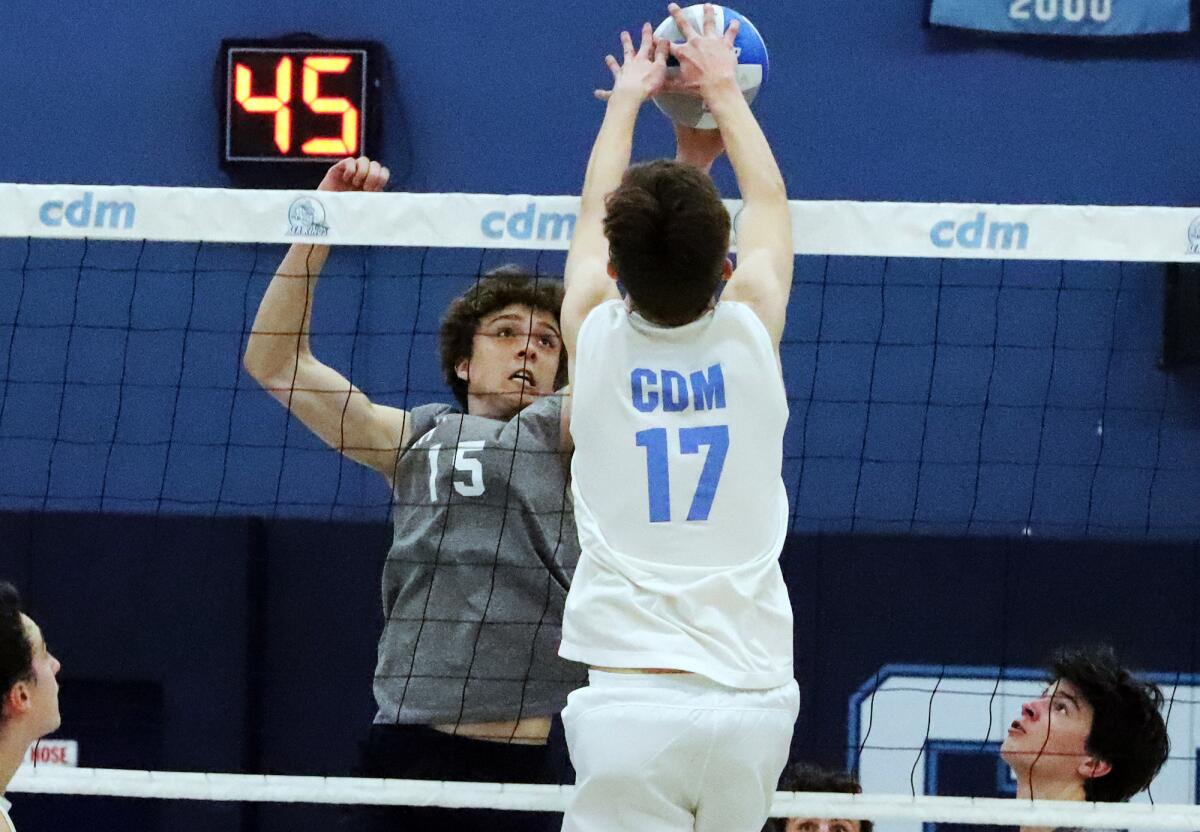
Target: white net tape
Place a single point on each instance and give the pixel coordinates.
(523, 797)
(878, 229)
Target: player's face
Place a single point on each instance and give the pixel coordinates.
(514, 360)
(822, 825)
(43, 713)
(1050, 737)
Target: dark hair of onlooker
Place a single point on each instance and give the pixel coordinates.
(806, 777)
(16, 653)
(1128, 731)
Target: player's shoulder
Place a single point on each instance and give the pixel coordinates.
(431, 410)
(613, 309)
(741, 314)
(541, 420)
(425, 418)
(605, 319)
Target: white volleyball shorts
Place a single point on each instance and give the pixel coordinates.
(675, 751)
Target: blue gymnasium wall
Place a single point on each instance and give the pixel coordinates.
(864, 102)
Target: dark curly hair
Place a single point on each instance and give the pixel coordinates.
(806, 777)
(668, 237)
(1128, 731)
(16, 653)
(497, 289)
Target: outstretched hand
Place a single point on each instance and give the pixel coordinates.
(707, 58)
(359, 174)
(642, 72)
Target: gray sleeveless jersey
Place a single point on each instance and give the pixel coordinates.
(478, 572)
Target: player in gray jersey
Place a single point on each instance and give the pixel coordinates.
(468, 678)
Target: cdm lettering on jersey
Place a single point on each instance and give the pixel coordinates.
(673, 391)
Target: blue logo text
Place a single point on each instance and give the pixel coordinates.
(979, 233)
(86, 211)
(529, 224)
(669, 389)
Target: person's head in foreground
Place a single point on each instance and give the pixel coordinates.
(1096, 733)
(805, 777)
(668, 239)
(501, 342)
(27, 677)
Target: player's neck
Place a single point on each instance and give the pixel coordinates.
(632, 308)
(1039, 787)
(13, 746)
(1043, 789)
(486, 408)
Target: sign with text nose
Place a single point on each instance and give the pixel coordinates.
(64, 753)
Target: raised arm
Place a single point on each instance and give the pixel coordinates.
(279, 354)
(763, 279)
(588, 283)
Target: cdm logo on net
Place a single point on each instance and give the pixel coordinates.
(533, 223)
(980, 233)
(87, 211)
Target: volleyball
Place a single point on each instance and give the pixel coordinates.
(751, 72)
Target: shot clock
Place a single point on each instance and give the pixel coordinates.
(299, 104)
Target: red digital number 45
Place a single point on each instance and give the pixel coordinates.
(279, 104)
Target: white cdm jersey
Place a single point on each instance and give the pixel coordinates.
(679, 498)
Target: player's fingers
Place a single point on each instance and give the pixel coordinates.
(602, 95)
(374, 171)
(710, 20)
(678, 85)
(647, 44)
(627, 45)
(385, 176)
(681, 21)
(662, 48)
(613, 65)
(362, 167)
(731, 33)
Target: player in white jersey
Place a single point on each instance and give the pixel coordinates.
(29, 708)
(678, 412)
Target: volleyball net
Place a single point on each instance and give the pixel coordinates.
(951, 369)
(1000, 380)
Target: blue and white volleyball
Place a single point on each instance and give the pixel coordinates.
(751, 71)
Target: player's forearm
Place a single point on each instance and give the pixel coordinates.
(281, 327)
(759, 178)
(587, 283)
(611, 152)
